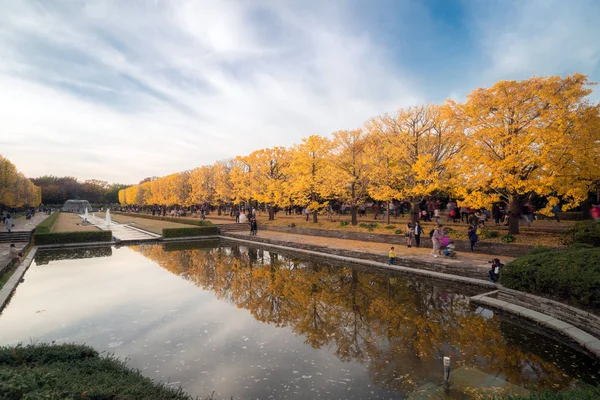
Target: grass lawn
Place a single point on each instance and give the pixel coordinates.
(69, 222)
(529, 238)
(149, 225)
(68, 371)
(6, 275)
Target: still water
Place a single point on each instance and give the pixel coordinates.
(249, 323)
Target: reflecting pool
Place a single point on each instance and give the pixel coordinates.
(249, 323)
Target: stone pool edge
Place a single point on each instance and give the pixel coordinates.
(584, 339)
(398, 268)
(12, 283)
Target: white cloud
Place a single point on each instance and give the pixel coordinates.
(125, 90)
(539, 37)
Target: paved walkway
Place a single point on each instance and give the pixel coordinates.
(371, 247)
(473, 265)
(121, 232)
(27, 225)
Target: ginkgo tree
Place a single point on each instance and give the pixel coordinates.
(518, 138)
(414, 146)
(270, 168)
(202, 186)
(16, 190)
(311, 178)
(351, 166)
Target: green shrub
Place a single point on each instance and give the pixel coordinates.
(487, 234)
(46, 225)
(508, 238)
(399, 232)
(169, 233)
(71, 371)
(72, 237)
(185, 221)
(390, 227)
(583, 232)
(344, 223)
(581, 393)
(571, 276)
(369, 226)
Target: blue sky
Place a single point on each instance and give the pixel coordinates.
(120, 90)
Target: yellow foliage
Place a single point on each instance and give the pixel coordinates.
(519, 137)
(16, 190)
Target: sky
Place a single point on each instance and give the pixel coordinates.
(123, 90)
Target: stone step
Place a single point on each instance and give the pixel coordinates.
(15, 237)
(233, 227)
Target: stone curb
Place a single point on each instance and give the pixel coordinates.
(190, 238)
(441, 264)
(584, 339)
(408, 270)
(10, 286)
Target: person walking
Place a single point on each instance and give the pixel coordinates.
(392, 256)
(409, 234)
(436, 241)
(418, 232)
(237, 216)
(473, 238)
(9, 222)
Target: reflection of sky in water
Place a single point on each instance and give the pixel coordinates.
(173, 330)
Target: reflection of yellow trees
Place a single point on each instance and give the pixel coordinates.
(399, 328)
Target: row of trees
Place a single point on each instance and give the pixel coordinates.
(57, 190)
(16, 190)
(504, 143)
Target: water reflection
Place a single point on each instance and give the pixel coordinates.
(399, 328)
(44, 257)
(253, 324)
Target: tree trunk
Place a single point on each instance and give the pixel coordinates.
(271, 212)
(314, 199)
(514, 212)
(219, 209)
(388, 212)
(354, 216)
(414, 213)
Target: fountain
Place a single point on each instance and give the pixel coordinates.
(85, 214)
(108, 217)
(76, 206)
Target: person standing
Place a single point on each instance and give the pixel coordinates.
(392, 256)
(237, 216)
(9, 222)
(409, 234)
(418, 232)
(473, 238)
(436, 241)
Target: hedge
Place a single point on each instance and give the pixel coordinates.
(581, 393)
(584, 232)
(571, 276)
(46, 225)
(69, 371)
(72, 237)
(186, 221)
(188, 232)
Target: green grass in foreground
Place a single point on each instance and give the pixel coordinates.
(583, 393)
(68, 371)
(6, 276)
